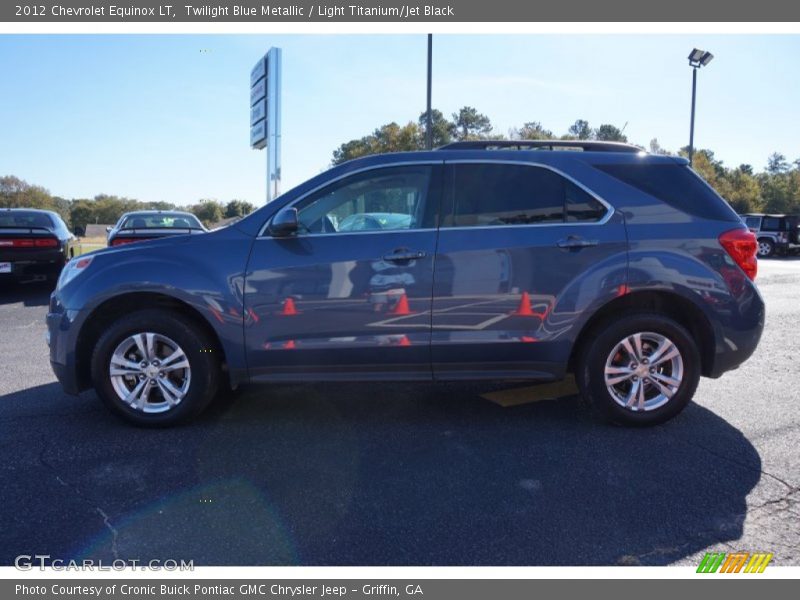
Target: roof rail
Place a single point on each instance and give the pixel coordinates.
(583, 145)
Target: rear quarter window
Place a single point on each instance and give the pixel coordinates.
(676, 185)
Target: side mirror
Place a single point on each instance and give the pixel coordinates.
(284, 223)
(108, 228)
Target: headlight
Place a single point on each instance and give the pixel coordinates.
(72, 269)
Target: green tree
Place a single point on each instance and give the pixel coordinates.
(208, 211)
(471, 125)
(705, 165)
(109, 208)
(443, 130)
(777, 163)
(388, 138)
(580, 130)
(777, 189)
(81, 213)
(11, 185)
(745, 193)
(610, 133)
(18, 193)
(656, 148)
(350, 150)
(159, 205)
(394, 138)
(532, 130)
(238, 208)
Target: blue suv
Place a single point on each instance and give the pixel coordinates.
(479, 260)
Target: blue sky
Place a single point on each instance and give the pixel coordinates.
(165, 117)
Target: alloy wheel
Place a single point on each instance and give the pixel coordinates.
(150, 372)
(644, 371)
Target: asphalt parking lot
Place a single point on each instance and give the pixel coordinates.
(403, 474)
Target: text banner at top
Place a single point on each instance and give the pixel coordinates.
(354, 11)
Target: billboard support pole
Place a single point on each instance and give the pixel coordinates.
(274, 125)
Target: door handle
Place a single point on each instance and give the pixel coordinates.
(574, 241)
(404, 255)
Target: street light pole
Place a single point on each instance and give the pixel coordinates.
(691, 127)
(429, 117)
(697, 59)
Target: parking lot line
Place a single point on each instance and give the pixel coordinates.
(533, 393)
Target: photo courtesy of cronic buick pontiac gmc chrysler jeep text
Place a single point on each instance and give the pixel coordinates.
(479, 260)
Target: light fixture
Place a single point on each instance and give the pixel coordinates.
(699, 58)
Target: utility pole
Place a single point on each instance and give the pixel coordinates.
(429, 116)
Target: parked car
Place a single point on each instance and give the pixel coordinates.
(151, 224)
(33, 243)
(775, 233)
(623, 268)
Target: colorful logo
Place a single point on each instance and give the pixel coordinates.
(735, 562)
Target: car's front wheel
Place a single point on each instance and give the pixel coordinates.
(155, 368)
(639, 369)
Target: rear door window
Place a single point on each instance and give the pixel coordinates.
(498, 194)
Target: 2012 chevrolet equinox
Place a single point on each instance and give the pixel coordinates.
(479, 260)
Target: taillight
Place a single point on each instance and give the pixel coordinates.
(741, 246)
(122, 241)
(29, 243)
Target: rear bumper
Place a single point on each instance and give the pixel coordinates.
(33, 262)
(737, 336)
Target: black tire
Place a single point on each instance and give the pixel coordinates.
(766, 247)
(198, 347)
(603, 339)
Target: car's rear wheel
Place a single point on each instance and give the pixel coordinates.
(155, 368)
(766, 248)
(640, 369)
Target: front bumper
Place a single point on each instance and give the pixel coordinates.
(62, 330)
(67, 377)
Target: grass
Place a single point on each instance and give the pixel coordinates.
(88, 244)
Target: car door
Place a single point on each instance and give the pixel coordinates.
(349, 295)
(522, 251)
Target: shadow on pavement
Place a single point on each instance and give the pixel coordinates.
(368, 474)
(29, 293)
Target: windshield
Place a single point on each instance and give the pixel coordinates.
(161, 221)
(25, 219)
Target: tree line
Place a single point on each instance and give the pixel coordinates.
(774, 189)
(103, 208)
